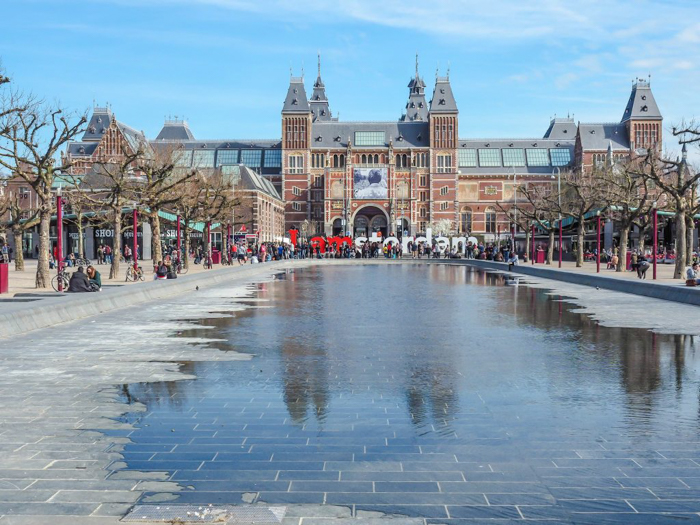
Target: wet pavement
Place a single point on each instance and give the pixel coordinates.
(439, 393)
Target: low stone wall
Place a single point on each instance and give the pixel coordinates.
(21, 318)
(678, 293)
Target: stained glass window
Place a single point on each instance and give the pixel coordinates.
(489, 157)
(513, 157)
(467, 158)
(369, 138)
(203, 158)
(182, 158)
(560, 156)
(226, 156)
(273, 158)
(537, 157)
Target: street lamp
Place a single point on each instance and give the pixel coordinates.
(135, 243)
(598, 252)
(558, 170)
(59, 236)
(177, 212)
(654, 212)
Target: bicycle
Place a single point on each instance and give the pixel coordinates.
(207, 265)
(82, 261)
(134, 275)
(64, 277)
(179, 268)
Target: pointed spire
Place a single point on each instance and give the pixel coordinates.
(319, 64)
(416, 65)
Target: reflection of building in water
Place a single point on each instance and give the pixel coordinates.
(305, 380)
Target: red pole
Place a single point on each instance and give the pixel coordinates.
(533, 243)
(59, 235)
(598, 254)
(655, 240)
(208, 237)
(561, 247)
(178, 237)
(135, 249)
(228, 240)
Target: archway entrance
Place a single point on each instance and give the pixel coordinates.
(369, 220)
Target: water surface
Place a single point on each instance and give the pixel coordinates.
(437, 392)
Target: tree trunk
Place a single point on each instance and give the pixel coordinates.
(680, 245)
(156, 245)
(580, 230)
(550, 247)
(116, 242)
(186, 255)
(642, 239)
(690, 230)
(19, 251)
(624, 238)
(43, 279)
(527, 244)
(81, 244)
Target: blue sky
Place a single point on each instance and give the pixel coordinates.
(225, 64)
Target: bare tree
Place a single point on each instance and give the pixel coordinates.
(678, 181)
(581, 194)
(113, 185)
(32, 134)
(541, 207)
(161, 188)
(626, 197)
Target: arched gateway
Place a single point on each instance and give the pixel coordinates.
(370, 219)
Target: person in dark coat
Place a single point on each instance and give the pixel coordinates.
(79, 282)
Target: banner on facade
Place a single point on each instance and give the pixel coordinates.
(370, 183)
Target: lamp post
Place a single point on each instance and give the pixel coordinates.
(655, 226)
(59, 236)
(135, 248)
(178, 236)
(597, 259)
(561, 248)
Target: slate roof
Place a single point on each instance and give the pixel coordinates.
(403, 134)
(82, 149)
(175, 130)
(250, 180)
(599, 136)
(561, 129)
(416, 107)
(443, 100)
(296, 101)
(99, 122)
(641, 104)
(227, 144)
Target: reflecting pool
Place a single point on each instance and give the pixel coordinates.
(437, 392)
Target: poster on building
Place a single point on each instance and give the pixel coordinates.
(370, 183)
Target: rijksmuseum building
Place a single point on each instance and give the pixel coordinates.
(336, 176)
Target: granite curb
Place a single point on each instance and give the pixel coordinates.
(677, 293)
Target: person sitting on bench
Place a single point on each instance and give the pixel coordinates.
(692, 275)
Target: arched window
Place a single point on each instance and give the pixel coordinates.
(376, 159)
(342, 161)
(364, 159)
(490, 219)
(335, 161)
(466, 222)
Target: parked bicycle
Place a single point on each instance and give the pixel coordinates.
(134, 274)
(82, 261)
(207, 264)
(179, 268)
(64, 277)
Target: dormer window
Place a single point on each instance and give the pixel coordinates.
(92, 129)
(645, 108)
(323, 112)
(337, 139)
(319, 138)
(442, 90)
(644, 97)
(442, 102)
(295, 90)
(413, 104)
(295, 102)
(420, 104)
(99, 120)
